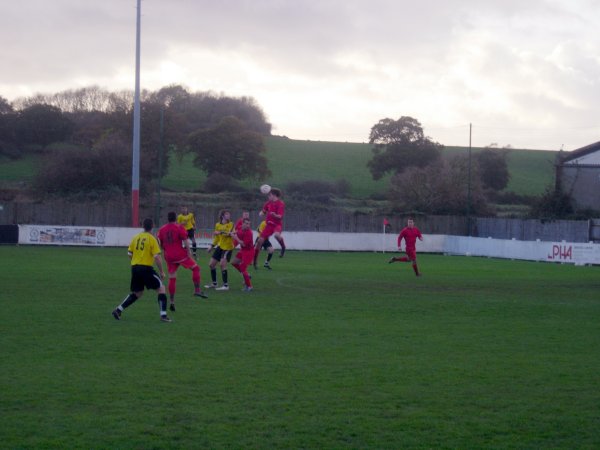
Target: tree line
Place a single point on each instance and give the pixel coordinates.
(422, 180)
(85, 135)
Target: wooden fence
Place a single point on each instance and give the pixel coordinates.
(118, 214)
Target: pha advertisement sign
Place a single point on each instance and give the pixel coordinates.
(573, 253)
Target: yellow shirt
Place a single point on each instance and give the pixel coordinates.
(262, 226)
(222, 240)
(143, 248)
(187, 220)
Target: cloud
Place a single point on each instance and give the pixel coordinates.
(331, 69)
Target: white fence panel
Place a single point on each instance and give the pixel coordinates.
(563, 252)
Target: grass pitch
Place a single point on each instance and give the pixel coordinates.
(332, 350)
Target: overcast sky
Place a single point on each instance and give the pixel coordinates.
(525, 73)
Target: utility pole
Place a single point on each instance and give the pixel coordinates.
(469, 185)
(135, 166)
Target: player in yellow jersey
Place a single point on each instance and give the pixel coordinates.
(222, 247)
(188, 220)
(266, 246)
(144, 251)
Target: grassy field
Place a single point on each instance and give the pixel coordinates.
(332, 350)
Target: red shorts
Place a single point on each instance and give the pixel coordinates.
(188, 263)
(270, 229)
(411, 253)
(246, 257)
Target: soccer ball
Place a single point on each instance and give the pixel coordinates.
(265, 189)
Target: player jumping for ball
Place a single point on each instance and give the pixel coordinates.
(273, 211)
(410, 233)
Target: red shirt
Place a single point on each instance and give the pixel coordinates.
(247, 239)
(238, 225)
(274, 207)
(410, 236)
(172, 237)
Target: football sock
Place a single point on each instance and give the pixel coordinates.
(256, 252)
(129, 300)
(196, 275)
(269, 256)
(247, 278)
(415, 268)
(172, 284)
(403, 259)
(213, 275)
(162, 302)
(281, 242)
(224, 275)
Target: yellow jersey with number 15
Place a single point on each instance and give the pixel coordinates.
(143, 248)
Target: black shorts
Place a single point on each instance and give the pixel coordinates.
(191, 232)
(144, 276)
(219, 254)
(267, 244)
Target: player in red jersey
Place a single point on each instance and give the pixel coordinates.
(238, 225)
(173, 239)
(244, 256)
(273, 211)
(410, 233)
(240, 221)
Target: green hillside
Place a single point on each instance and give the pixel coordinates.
(294, 160)
(531, 171)
(18, 170)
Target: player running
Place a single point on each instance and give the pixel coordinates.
(144, 252)
(273, 211)
(244, 256)
(410, 233)
(223, 246)
(188, 220)
(173, 240)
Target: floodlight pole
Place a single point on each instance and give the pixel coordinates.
(135, 166)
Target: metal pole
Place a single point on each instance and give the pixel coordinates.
(469, 185)
(135, 166)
